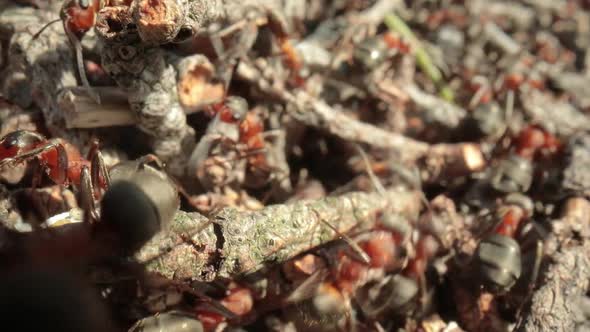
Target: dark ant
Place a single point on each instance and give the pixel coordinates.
(141, 201)
(63, 162)
(515, 173)
(498, 256)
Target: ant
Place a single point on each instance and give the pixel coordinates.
(532, 144)
(78, 17)
(141, 201)
(398, 293)
(498, 256)
(62, 162)
(234, 110)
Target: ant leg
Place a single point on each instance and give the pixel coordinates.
(98, 168)
(87, 202)
(148, 159)
(80, 64)
(359, 253)
(532, 283)
(37, 174)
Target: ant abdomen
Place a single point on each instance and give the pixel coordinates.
(499, 263)
(141, 201)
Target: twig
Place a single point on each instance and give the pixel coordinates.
(555, 304)
(436, 109)
(149, 78)
(236, 242)
(439, 160)
(81, 111)
(501, 39)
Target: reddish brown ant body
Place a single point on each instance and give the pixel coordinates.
(78, 17)
(234, 110)
(63, 162)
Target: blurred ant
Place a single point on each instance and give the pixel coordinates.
(62, 162)
(234, 110)
(513, 81)
(498, 256)
(532, 144)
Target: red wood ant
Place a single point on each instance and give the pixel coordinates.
(234, 110)
(515, 174)
(78, 17)
(498, 256)
(62, 162)
(534, 142)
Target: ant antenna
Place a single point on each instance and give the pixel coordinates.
(36, 35)
(360, 254)
(532, 284)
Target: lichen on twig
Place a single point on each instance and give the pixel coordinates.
(233, 242)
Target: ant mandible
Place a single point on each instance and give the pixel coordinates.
(63, 162)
